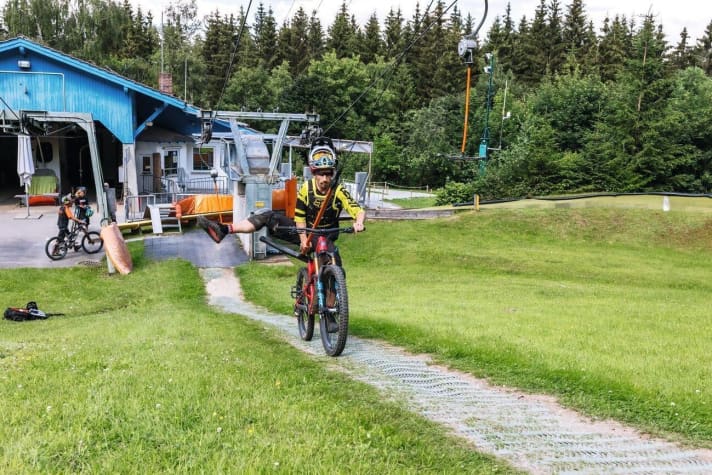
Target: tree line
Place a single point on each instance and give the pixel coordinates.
(573, 107)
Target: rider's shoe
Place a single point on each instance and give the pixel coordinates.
(217, 232)
(332, 325)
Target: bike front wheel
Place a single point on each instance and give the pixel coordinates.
(334, 318)
(305, 321)
(56, 249)
(92, 242)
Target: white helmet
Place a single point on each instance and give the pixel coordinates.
(321, 158)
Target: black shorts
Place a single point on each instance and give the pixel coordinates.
(274, 221)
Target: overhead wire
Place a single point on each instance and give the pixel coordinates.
(232, 56)
(286, 17)
(395, 63)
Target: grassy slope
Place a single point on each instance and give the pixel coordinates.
(141, 376)
(606, 308)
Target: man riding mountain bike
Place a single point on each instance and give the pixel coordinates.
(311, 202)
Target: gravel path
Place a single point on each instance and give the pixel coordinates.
(532, 433)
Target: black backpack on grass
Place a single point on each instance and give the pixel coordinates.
(30, 312)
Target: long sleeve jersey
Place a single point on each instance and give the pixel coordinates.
(309, 201)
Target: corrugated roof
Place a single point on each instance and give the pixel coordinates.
(93, 69)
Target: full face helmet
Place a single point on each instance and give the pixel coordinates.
(321, 158)
(80, 191)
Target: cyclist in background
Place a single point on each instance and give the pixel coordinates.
(82, 211)
(311, 195)
(65, 215)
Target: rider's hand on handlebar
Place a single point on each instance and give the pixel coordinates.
(358, 227)
(304, 248)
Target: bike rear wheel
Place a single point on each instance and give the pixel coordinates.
(336, 317)
(305, 321)
(56, 249)
(92, 242)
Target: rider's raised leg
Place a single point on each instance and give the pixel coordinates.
(254, 222)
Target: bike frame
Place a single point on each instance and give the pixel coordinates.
(310, 293)
(314, 261)
(314, 284)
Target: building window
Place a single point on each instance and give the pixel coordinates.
(146, 163)
(203, 159)
(170, 162)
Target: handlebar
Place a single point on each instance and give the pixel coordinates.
(296, 230)
(318, 231)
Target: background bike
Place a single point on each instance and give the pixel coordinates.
(77, 237)
(320, 290)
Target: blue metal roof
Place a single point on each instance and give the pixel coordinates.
(35, 77)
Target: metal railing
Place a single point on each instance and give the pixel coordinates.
(207, 185)
(135, 206)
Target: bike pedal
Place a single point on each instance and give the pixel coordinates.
(295, 292)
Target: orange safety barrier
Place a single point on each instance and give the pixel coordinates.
(286, 198)
(198, 204)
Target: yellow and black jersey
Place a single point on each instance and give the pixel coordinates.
(309, 201)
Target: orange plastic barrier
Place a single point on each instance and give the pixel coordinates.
(286, 199)
(198, 204)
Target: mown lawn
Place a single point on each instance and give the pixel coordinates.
(608, 309)
(142, 376)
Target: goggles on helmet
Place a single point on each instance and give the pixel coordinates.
(322, 157)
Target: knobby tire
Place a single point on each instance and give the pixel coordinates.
(61, 249)
(333, 278)
(92, 242)
(305, 321)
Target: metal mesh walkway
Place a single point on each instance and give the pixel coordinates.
(531, 433)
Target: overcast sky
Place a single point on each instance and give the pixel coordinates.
(673, 14)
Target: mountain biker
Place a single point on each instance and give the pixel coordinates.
(83, 210)
(65, 215)
(311, 195)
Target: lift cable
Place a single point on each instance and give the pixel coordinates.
(232, 56)
(392, 66)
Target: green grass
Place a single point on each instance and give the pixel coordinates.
(142, 376)
(608, 309)
(414, 203)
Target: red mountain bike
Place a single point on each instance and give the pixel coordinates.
(320, 290)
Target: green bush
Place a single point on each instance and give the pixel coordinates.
(454, 192)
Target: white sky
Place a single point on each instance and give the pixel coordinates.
(674, 15)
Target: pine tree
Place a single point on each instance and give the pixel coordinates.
(505, 51)
(315, 38)
(294, 43)
(556, 51)
(648, 83)
(532, 58)
(612, 49)
(703, 51)
(372, 44)
(682, 56)
(393, 34)
(265, 36)
(220, 37)
(342, 34)
(575, 33)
